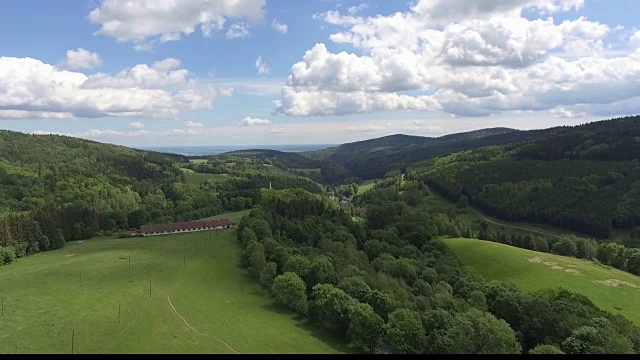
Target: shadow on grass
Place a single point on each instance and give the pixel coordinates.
(333, 340)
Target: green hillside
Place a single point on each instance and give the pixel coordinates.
(611, 289)
(584, 178)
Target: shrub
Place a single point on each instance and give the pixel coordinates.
(7, 255)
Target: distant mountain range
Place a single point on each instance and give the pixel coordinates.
(213, 150)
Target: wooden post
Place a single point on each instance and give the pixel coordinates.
(149, 287)
(73, 339)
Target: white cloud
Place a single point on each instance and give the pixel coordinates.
(635, 39)
(564, 113)
(181, 132)
(353, 10)
(279, 27)
(43, 132)
(307, 103)
(249, 121)
(261, 66)
(490, 59)
(136, 125)
(193, 124)
(238, 30)
(141, 21)
(159, 75)
(23, 114)
(455, 10)
(365, 128)
(80, 59)
(278, 129)
(30, 88)
(252, 86)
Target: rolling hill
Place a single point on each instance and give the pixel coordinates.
(373, 158)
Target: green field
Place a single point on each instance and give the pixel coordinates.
(201, 301)
(531, 270)
(277, 170)
(366, 186)
(199, 161)
(199, 178)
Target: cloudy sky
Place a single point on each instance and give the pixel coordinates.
(263, 72)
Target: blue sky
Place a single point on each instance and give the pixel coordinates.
(374, 68)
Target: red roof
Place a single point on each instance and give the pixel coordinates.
(189, 225)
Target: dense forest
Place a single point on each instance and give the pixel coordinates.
(584, 178)
(387, 284)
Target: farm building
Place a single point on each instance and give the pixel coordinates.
(190, 226)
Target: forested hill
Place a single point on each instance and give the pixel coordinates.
(277, 158)
(56, 188)
(323, 171)
(373, 158)
(584, 178)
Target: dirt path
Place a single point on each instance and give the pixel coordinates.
(196, 330)
(511, 226)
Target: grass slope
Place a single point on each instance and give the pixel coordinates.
(366, 186)
(531, 270)
(194, 306)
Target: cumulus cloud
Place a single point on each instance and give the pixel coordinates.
(80, 59)
(181, 132)
(635, 39)
(32, 89)
(249, 121)
(365, 128)
(279, 27)
(238, 30)
(564, 113)
(455, 10)
(353, 10)
(142, 21)
(193, 124)
(278, 129)
(461, 57)
(160, 75)
(261, 66)
(136, 125)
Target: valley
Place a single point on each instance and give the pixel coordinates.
(322, 260)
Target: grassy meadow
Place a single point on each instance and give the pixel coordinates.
(612, 290)
(199, 178)
(181, 293)
(366, 186)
